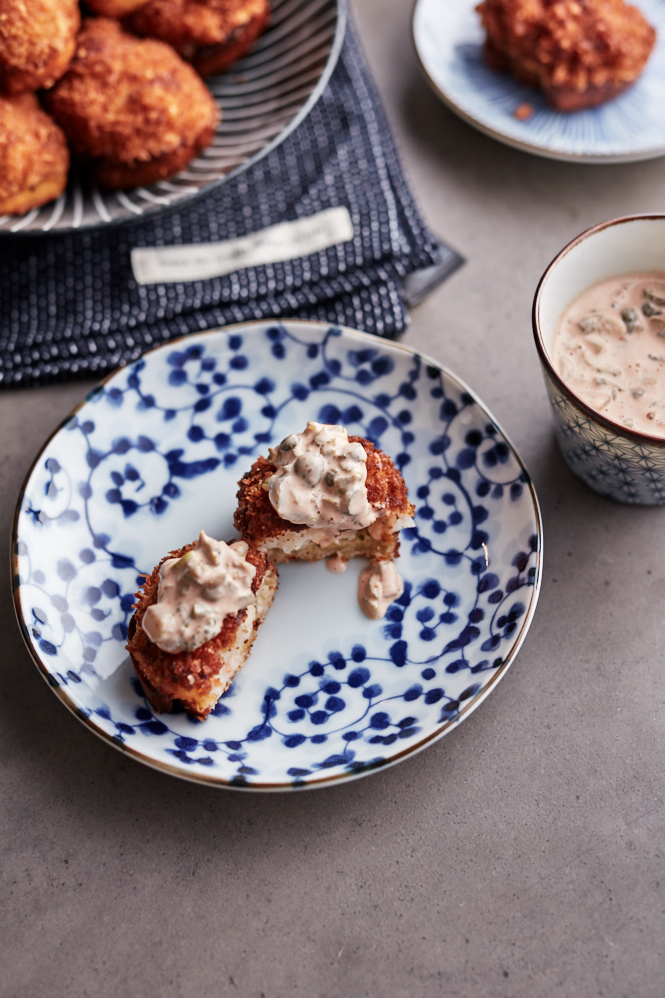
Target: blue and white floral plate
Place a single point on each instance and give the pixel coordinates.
(448, 38)
(154, 454)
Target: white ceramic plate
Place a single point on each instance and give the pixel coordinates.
(154, 455)
(448, 38)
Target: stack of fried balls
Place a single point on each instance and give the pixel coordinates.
(119, 88)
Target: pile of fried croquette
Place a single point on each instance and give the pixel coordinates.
(121, 91)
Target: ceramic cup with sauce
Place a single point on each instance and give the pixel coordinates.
(614, 460)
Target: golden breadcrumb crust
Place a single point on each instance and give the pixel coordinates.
(34, 158)
(165, 677)
(210, 34)
(37, 42)
(123, 176)
(114, 8)
(580, 52)
(256, 520)
(132, 104)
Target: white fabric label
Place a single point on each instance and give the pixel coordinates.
(171, 264)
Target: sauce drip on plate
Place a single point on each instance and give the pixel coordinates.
(379, 586)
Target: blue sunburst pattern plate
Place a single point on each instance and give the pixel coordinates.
(448, 38)
(154, 454)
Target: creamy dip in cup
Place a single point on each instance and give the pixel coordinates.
(609, 348)
(617, 460)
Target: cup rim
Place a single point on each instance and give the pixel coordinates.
(618, 429)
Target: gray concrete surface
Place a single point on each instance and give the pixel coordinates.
(521, 857)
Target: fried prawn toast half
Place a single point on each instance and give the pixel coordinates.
(211, 34)
(262, 528)
(581, 54)
(34, 159)
(132, 107)
(198, 678)
(37, 42)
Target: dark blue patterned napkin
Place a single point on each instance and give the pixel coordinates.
(71, 307)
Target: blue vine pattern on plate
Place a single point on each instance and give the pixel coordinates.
(222, 398)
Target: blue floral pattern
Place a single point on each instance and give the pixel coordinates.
(449, 39)
(155, 453)
(614, 465)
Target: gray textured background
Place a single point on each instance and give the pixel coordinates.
(520, 857)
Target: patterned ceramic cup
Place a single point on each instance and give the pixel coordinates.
(617, 462)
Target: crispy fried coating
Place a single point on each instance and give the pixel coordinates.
(580, 52)
(259, 523)
(198, 678)
(132, 106)
(34, 158)
(37, 42)
(114, 8)
(211, 34)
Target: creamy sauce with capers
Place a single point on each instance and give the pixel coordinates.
(379, 585)
(196, 592)
(609, 348)
(320, 479)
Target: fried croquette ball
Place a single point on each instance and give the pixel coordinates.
(37, 42)
(211, 34)
(132, 106)
(580, 54)
(114, 8)
(34, 159)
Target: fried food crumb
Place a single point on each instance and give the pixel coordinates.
(523, 112)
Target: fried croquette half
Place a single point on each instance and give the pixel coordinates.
(37, 42)
(259, 524)
(197, 679)
(580, 54)
(211, 34)
(34, 159)
(132, 106)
